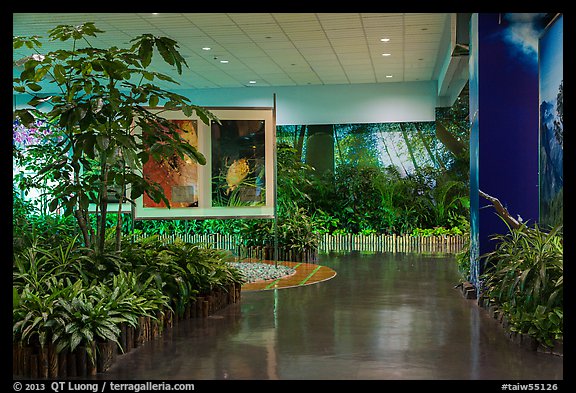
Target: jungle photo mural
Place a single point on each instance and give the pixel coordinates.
(407, 146)
(381, 177)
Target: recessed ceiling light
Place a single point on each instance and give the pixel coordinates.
(384, 39)
(252, 82)
(388, 76)
(224, 61)
(386, 54)
(206, 48)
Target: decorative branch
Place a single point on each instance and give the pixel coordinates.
(501, 210)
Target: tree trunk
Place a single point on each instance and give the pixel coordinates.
(83, 227)
(119, 228)
(320, 148)
(299, 140)
(101, 220)
(409, 146)
(501, 210)
(436, 160)
(452, 144)
(119, 212)
(399, 158)
(385, 146)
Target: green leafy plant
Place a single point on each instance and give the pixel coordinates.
(524, 275)
(69, 297)
(38, 313)
(294, 180)
(297, 232)
(181, 270)
(149, 257)
(31, 228)
(437, 231)
(101, 98)
(447, 197)
(35, 266)
(463, 261)
(88, 318)
(208, 268)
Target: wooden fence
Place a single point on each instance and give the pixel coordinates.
(450, 244)
(393, 243)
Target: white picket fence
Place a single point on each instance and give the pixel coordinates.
(393, 243)
(450, 244)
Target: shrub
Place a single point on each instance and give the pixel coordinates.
(524, 276)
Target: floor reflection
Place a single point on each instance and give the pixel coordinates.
(383, 316)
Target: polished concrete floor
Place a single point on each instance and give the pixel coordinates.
(382, 317)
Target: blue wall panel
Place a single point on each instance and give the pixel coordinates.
(504, 81)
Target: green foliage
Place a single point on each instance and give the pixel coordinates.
(463, 262)
(30, 226)
(437, 231)
(448, 197)
(297, 231)
(370, 199)
(102, 97)
(524, 275)
(371, 190)
(294, 178)
(70, 296)
(357, 199)
(39, 313)
(181, 270)
(86, 318)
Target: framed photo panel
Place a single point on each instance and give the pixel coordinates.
(551, 130)
(238, 179)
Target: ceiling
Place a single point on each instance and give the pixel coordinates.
(272, 49)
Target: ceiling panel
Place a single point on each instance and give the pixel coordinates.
(274, 49)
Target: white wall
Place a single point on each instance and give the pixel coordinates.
(331, 104)
(325, 104)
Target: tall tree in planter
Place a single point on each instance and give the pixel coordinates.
(101, 96)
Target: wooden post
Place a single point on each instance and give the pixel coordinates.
(27, 360)
(123, 337)
(199, 306)
(81, 363)
(91, 360)
(33, 367)
(192, 309)
(43, 362)
(71, 369)
(63, 364)
(52, 361)
(129, 338)
(15, 359)
(105, 357)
